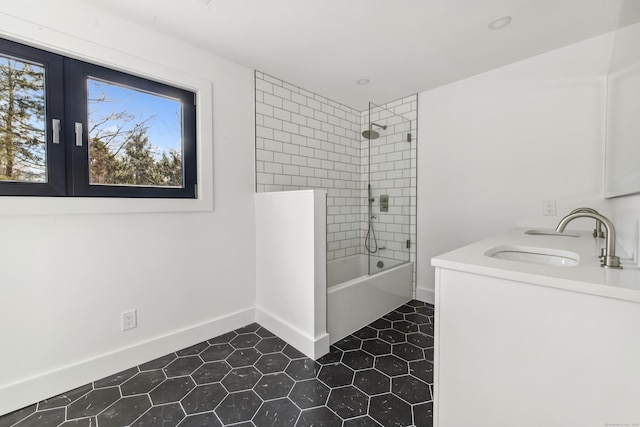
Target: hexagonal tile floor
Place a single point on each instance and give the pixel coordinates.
(381, 375)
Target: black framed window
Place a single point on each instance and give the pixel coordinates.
(31, 105)
(70, 128)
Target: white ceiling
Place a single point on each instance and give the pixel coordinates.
(401, 46)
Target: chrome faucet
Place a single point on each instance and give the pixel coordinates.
(597, 232)
(609, 258)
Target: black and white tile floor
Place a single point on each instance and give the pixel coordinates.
(382, 375)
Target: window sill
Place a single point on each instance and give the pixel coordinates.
(78, 205)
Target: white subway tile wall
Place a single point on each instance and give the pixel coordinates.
(304, 141)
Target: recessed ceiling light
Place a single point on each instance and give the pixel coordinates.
(500, 23)
(363, 82)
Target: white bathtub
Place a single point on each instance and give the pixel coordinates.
(355, 299)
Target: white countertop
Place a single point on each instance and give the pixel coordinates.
(587, 277)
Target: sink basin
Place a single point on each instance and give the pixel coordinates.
(546, 256)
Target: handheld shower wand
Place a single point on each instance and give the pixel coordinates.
(370, 232)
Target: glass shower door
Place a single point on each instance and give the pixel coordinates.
(387, 188)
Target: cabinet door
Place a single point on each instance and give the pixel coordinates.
(515, 354)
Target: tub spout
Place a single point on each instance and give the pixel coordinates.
(609, 259)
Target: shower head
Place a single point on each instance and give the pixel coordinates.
(370, 134)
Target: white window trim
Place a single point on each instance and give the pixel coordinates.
(22, 32)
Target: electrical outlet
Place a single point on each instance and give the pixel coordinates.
(129, 320)
(549, 208)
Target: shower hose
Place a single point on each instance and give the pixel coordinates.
(367, 240)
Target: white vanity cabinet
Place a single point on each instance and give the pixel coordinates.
(528, 345)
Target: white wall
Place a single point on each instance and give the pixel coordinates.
(494, 146)
(291, 268)
(66, 278)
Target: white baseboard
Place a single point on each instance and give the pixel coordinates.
(43, 386)
(313, 347)
(426, 295)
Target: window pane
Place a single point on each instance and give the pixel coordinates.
(22, 121)
(135, 137)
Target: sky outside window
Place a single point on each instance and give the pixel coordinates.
(135, 136)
